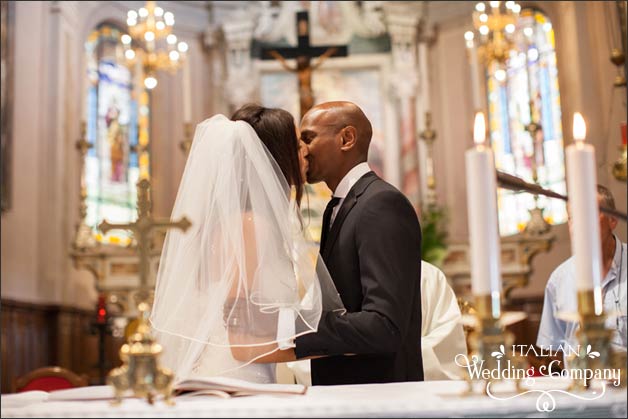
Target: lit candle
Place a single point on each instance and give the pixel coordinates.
(583, 207)
(482, 212)
(187, 91)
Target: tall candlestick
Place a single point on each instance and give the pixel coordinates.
(482, 212)
(187, 92)
(584, 214)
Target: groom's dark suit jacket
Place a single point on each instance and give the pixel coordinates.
(373, 253)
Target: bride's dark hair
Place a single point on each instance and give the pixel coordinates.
(276, 129)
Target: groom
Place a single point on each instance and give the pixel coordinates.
(371, 244)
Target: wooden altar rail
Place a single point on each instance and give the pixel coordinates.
(37, 335)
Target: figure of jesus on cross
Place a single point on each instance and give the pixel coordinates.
(304, 52)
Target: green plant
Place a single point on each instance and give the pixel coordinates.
(434, 240)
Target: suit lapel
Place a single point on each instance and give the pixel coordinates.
(350, 200)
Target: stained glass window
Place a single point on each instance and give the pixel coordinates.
(525, 122)
(117, 115)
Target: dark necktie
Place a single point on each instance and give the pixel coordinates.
(327, 219)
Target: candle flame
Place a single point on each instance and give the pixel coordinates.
(579, 127)
(479, 129)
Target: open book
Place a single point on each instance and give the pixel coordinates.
(210, 386)
(231, 387)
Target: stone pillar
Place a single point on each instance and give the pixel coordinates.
(402, 19)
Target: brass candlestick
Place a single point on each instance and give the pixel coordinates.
(594, 338)
(140, 372)
(489, 341)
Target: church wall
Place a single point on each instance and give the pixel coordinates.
(20, 224)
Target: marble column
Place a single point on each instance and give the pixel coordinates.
(402, 19)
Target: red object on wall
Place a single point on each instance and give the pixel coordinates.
(101, 314)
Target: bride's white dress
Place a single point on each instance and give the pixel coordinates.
(243, 276)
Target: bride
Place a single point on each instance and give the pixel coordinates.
(243, 281)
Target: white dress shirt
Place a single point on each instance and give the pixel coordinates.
(560, 297)
(345, 185)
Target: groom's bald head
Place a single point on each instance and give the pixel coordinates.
(338, 135)
(342, 114)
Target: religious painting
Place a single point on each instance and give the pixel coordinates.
(359, 85)
(525, 123)
(6, 91)
(117, 115)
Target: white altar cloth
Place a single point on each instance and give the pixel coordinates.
(412, 399)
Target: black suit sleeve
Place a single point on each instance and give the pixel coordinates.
(388, 239)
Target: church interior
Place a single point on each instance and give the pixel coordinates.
(94, 102)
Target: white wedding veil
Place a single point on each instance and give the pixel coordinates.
(243, 281)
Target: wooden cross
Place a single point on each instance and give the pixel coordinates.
(142, 230)
(304, 52)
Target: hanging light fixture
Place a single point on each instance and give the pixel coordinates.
(495, 24)
(152, 42)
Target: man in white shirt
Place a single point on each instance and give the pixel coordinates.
(560, 293)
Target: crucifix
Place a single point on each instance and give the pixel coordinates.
(140, 372)
(142, 230)
(304, 52)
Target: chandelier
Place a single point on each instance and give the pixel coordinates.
(152, 42)
(494, 30)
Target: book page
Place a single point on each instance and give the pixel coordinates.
(232, 385)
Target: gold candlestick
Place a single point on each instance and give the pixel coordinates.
(489, 341)
(140, 372)
(594, 338)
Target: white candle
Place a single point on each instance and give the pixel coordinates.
(583, 207)
(187, 92)
(482, 212)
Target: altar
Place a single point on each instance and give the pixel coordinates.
(546, 397)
